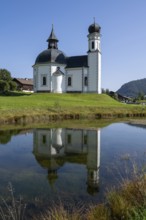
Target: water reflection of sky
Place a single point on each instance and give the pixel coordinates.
(70, 164)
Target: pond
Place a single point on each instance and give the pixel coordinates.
(69, 165)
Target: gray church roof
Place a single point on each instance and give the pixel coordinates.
(52, 36)
(94, 28)
(77, 61)
(51, 56)
(57, 56)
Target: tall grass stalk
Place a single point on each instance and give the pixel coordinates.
(13, 209)
(128, 202)
(61, 213)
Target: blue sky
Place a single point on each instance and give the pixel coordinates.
(25, 26)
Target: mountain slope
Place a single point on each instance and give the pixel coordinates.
(133, 88)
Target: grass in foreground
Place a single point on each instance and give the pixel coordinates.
(128, 202)
(15, 210)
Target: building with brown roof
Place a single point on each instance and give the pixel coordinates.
(24, 84)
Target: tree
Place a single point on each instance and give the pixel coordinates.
(140, 96)
(13, 85)
(4, 86)
(5, 75)
(107, 91)
(103, 91)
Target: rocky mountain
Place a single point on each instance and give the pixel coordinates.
(133, 88)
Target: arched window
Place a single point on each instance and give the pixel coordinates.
(93, 45)
(69, 138)
(86, 81)
(44, 139)
(44, 81)
(69, 81)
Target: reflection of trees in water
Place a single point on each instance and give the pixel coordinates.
(5, 136)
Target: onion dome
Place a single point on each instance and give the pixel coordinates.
(94, 28)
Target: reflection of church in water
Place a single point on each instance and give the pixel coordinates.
(54, 147)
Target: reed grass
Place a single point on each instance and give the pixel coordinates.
(128, 202)
(60, 213)
(13, 209)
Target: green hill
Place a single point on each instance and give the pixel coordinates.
(133, 88)
(27, 109)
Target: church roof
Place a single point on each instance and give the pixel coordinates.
(52, 56)
(77, 61)
(93, 28)
(52, 36)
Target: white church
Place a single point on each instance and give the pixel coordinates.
(55, 72)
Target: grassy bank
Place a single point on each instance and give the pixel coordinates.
(37, 107)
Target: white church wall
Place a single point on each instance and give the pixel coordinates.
(96, 44)
(76, 80)
(35, 79)
(53, 69)
(43, 71)
(99, 73)
(58, 82)
(85, 75)
(93, 71)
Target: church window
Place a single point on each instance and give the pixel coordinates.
(93, 45)
(44, 139)
(69, 138)
(85, 139)
(44, 81)
(91, 175)
(69, 81)
(86, 81)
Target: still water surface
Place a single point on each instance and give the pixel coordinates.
(69, 165)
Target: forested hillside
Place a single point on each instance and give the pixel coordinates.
(133, 88)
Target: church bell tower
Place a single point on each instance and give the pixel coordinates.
(94, 58)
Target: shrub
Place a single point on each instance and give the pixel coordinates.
(4, 86)
(13, 85)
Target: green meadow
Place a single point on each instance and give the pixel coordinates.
(19, 105)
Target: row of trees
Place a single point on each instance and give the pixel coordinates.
(6, 83)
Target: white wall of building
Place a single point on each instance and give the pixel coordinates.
(76, 78)
(57, 81)
(39, 72)
(93, 71)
